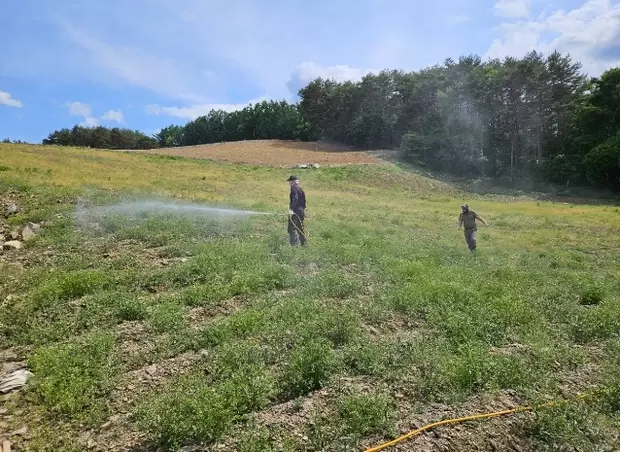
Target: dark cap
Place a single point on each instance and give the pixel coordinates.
(465, 206)
(292, 178)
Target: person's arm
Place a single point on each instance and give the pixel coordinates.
(293, 200)
(460, 221)
(478, 217)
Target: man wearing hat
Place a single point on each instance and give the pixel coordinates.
(468, 218)
(296, 213)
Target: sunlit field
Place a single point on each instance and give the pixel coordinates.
(167, 330)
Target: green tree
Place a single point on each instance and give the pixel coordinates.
(602, 164)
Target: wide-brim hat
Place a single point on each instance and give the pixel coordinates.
(291, 178)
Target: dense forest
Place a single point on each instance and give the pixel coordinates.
(102, 138)
(536, 117)
(532, 117)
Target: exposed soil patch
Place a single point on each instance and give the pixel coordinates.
(197, 317)
(499, 434)
(136, 341)
(271, 153)
(116, 434)
(290, 417)
(293, 419)
(147, 378)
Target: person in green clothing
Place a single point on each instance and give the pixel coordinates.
(468, 219)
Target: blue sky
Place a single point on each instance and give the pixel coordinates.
(144, 64)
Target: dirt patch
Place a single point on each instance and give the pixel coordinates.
(117, 434)
(293, 419)
(504, 433)
(271, 153)
(148, 378)
(197, 317)
(290, 418)
(137, 341)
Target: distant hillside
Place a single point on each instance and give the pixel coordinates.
(271, 153)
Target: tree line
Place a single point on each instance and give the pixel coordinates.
(536, 117)
(262, 121)
(533, 117)
(102, 138)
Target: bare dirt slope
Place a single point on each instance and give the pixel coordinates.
(272, 153)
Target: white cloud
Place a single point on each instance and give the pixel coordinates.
(90, 121)
(265, 43)
(512, 8)
(85, 111)
(194, 111)
(176, 49)
(306, 72)
(517, 40)
(79, 109)
(113, 115)
(8, 100)
(590, 34)
(82, 110)
(340, 72)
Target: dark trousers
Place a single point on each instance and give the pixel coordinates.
(470, 238)
(296, 231)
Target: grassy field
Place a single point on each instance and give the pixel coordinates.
(169, 331)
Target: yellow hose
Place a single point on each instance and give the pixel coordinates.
(463, 419)
(455, 420)
(305, 234)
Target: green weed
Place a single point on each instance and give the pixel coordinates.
(365, 415)
(202, 409)
(73, 284)
(74, 379)
(256, 439)
(332, 283)
(205, 294)
(310, 367)
(167, 316)
(131, 309)
(247, 383)
(192, 412)
(568, 426)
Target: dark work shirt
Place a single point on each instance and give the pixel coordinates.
(469, 219)
(298, 200)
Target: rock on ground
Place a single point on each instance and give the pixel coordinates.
(10, 209)
(35, 227)
(28, 233)
(12, 245)
(14, 380)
